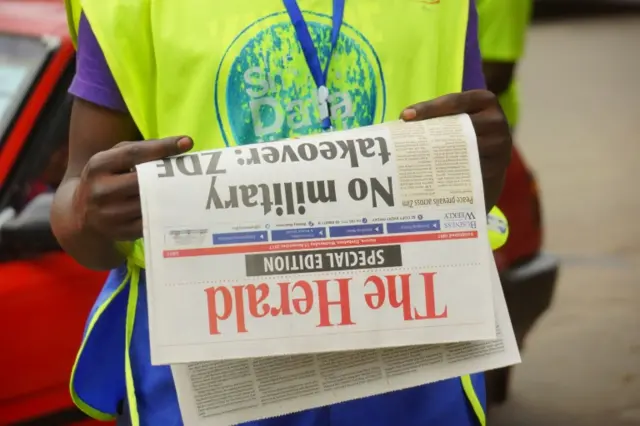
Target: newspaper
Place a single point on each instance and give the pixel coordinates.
(368, 238)
(221, 393)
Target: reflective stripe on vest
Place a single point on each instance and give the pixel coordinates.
(74, 11)
(231, 85)
(502, 28)
(132, 279)
(497, 228)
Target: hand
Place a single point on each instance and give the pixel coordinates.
(492, 131)
(107, 199)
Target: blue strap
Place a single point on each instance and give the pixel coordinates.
(309, 49)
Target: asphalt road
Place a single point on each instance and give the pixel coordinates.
(580, 131)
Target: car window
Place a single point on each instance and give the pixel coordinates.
(21, 59)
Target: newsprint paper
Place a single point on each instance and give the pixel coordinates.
(294, 274)
(222, 393)
(363, 239)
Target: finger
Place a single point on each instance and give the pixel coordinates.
(129, 231)
(493, 133)
(114, 188)
(494, 150)
(126, 155)
(489, 121)
(455, 103)
(117, 214)
(120, 223)
(132, 231)
(141, 152)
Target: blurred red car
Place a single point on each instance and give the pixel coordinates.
(45, 296)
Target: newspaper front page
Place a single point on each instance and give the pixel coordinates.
(368, 238)
(221, 393)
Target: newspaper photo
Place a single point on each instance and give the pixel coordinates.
(361, 239)
(222, 393)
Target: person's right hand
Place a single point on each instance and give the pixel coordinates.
(107, 199)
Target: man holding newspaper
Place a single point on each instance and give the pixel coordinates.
(235, 73)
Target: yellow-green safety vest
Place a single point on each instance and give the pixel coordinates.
(235, 75)
(502, 30)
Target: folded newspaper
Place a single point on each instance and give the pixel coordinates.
(223, 393)
(361, 239)
(299, 273)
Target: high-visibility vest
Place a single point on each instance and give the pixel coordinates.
(502, 29)
(233, 74)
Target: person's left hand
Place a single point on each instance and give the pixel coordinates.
(492, 130)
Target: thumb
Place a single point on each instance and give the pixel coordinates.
(128, 155)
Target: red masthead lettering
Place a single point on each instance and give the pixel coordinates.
(343, 302)
(285, 302)
(240, 315)
(398, 298)
(303, 305)
(328, 298)
(430, 296)
(212, 305)
(257, 307)
(222, 313)
(396, 290)
(376, 299)
(251, 301)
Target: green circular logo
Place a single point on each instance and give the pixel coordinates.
(264, 90)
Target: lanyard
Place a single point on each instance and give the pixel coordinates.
(311, 52)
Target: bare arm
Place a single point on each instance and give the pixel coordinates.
(498, 75)
(99, 201)
(93, 129)
(502, 29)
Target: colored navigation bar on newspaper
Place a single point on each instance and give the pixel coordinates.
(355, 230)
(240, 237)
(298, 234)
(320, 244)
(415, 226)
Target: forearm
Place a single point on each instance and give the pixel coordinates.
(493, 188)
(498, 75)
(88, 248)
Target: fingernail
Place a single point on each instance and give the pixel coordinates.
(185, 143)
(409, 114)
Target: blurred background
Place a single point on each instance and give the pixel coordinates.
(579, 132)
(570, 269)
